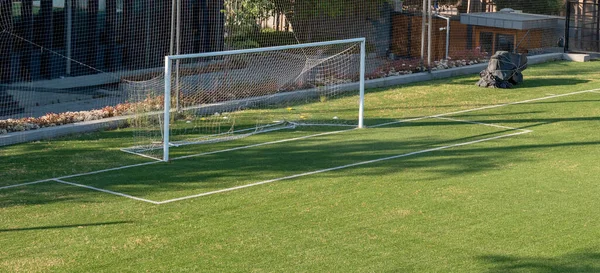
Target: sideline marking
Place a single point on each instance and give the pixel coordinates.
(106, 191)
(597, 91)
(486, 124)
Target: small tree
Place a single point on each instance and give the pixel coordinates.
(302, 14)
(550, 7)
(243, 15)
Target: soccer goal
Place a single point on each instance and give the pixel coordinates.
(222, 96)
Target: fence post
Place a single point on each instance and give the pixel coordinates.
(567, 27)
(6, 47)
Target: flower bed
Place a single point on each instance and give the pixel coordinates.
(409, 66)
(54, 119)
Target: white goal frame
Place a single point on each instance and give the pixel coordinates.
(169, 66)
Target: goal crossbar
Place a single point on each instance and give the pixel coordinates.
(264, 49)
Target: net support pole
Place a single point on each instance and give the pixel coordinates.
(447, 33)
(178, 51)
(361, 107)
(69, 35)
(423, 29)
(429, 30)
(167, 109)
(172, 41)
(567, 28)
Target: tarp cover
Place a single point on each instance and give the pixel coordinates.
(504, 70)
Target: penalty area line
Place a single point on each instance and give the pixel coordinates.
(343, 167)
(106, 191)
(79, 174)
(262, 144)
(173, 159)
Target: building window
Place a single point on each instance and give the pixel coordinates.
(486, 41)
(505, 42)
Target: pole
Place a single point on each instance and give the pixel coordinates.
(429, 29)
(447, 33)
(27, 17)
(173, 14)
(361, 107)
(469, 6)
(447, 38)
(147, 12)
(177, 62)
(68, 39)
(597, 26)
(423, 25)
(567, 28)
(6, 47)
(47, 19)
(167, 109)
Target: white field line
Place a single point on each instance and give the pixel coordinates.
(106, 191)
(488, 107)
(139, 154)
(177, 158)
(486, 124)
(299, 138)
(60, 180)
(262, 144)
(342, 167)
(108, 170)
(25, 184)
(440, 116)
(82, 174)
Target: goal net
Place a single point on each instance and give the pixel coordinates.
(222, 96)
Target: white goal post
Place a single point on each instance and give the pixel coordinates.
(172, 105)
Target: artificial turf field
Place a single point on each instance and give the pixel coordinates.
(461, 179)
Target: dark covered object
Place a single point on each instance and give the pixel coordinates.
(504, 70)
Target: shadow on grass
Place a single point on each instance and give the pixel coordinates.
(529, 82)
(537, 82)
(215, 172)
(44, 194)
(77, 154)
(581, 261)
(212, 172)
(96, 151)
(534, 122)
(66, 226)
(559, 68)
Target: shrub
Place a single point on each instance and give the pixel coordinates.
(262, 39)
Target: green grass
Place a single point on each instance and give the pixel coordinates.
(526, 203)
